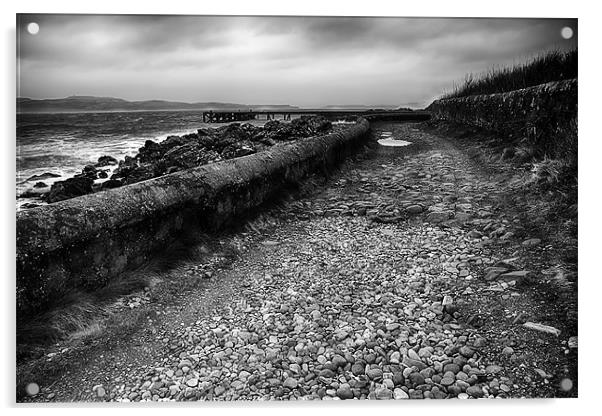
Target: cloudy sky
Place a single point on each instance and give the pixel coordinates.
(304, 61)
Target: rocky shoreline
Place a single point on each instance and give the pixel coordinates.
(174, 154)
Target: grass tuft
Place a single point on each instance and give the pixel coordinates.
(551, 66)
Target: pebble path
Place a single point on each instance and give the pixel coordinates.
(363, 291)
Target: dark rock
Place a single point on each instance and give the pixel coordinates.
(416, 379)
(188, 156)
(29, 194)
(358, 369)
(40, 185)
(398, 379)
(111, 183)
(454, 390)
(150, 152)
(106, 161)
(102, 174)
(70, 188)
(345, 392)
(89, 171)
(139, 174)
(460, 361)
(454, 368)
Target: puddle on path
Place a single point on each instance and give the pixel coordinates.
(387, 141)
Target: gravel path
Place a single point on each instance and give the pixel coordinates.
(406, 277)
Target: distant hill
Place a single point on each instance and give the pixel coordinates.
(91, 104)
(357, 107)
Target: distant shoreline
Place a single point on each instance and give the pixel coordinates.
(90, 104)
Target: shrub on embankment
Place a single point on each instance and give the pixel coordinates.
(548, 67)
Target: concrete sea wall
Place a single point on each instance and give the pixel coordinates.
(538, 116)
(84, 242)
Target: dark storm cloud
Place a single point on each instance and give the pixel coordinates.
(297, 60)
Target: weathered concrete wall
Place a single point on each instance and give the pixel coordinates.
(540, 115)
(85, 241)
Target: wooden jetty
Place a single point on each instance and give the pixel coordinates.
(244, 115)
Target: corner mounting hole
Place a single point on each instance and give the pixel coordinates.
(566, 32)
(33, 28)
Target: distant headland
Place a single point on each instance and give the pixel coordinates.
(84, 103)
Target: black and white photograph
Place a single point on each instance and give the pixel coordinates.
(242, 208)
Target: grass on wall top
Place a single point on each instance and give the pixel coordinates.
(548, 67)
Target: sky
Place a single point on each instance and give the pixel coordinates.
(303, 61)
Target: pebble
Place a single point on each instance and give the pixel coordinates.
(416, 379)
(291, 383)
(400, 394)
(383, 393)
(414, 209)
(447, 381)
(475, 391)
(344, 392)
(466, 351)
(532, 242)
(454, 368)
(375, 374)
(413, 355)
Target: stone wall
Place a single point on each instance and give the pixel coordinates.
(84, 242)
(539, 116)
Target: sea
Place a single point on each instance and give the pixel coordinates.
(63, 143)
